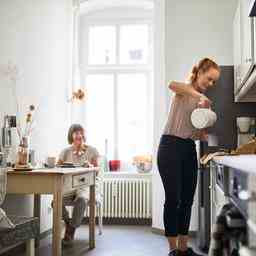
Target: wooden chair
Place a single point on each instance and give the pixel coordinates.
(26, 230)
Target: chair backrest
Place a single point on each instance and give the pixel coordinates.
(99, 178)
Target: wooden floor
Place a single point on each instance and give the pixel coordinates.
(115, 241)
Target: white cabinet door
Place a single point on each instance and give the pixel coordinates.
(246, 39)
(237, 48)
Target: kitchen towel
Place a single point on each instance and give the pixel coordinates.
(207, 157)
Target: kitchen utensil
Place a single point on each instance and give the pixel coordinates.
(203, 118)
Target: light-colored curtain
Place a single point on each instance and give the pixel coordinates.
(76, 108)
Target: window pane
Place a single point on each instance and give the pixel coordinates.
(102, 45)
(100, 112)
(133, 128)
(134, 44)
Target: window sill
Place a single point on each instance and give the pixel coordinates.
(122, 174)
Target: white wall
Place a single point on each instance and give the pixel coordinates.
(194, 29)
(160, 107)
(36, 35)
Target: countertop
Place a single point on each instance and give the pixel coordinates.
(246, 163)
(54, 171)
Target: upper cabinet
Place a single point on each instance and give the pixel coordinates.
(252, 8)
(243, 38)
(246, 39)
(237, 48)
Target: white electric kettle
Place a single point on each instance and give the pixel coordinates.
(203, 118)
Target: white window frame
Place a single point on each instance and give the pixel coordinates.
(115, 69)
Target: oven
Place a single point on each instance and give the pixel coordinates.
(238, 187)
(218, 189)
(242, 191)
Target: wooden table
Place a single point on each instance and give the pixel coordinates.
(57, 181)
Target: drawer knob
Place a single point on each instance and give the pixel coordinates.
(82, 180)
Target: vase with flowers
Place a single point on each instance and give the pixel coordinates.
(77, 96)
(22, 160)
(143, 163)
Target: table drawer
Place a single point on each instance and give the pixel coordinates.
(83, 180)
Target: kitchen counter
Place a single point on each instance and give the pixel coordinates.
(245, 163)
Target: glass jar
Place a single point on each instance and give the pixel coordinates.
(23, 152)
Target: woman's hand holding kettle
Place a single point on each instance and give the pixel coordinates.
(204, 102)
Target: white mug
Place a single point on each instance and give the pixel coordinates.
(51, 161)
(243, 124)
(203, 118)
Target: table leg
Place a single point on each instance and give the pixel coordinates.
(37, 213)
(92, 218)
(57, 217)
(30, 247)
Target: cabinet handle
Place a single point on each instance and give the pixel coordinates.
(248, 60)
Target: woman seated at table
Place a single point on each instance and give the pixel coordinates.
(81, 154)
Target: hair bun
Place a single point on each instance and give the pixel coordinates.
(194, 73)
(204, 65)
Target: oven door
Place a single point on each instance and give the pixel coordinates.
(222, 178)
(238, 188)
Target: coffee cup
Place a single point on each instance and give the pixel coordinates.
(243, 124)
(51, 161)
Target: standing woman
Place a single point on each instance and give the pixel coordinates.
(177, 158)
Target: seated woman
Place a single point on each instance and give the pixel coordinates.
(81, 154)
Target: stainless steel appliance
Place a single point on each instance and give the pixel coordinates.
(9, 123)
(219, 195)
(242, 192)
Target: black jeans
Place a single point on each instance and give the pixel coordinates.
(177, 165)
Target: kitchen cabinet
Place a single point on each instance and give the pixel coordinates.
(237, 48)
(247, 39)
(243, 44)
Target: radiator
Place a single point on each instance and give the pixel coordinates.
(127, 197)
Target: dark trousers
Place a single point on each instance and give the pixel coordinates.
(177, 165)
